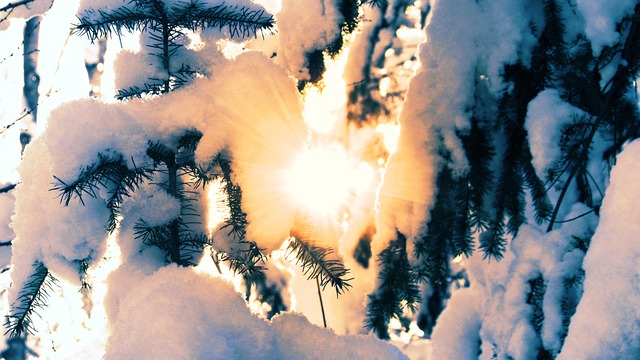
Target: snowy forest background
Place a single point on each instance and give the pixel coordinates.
(201, 179)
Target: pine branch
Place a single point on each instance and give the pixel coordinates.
(127, 182)
(153, 235)
(492, 242)
(108, 169)
(581, 243)
(160, 153)
(240, 21)
(7, 188)
(13, 5)
(110, 172)
(247, 262)
(161, 236)
(199, 175)
(189, 142)
(191, 247)
(397, 288)
(237, 221)
(626, 72)
(135, 92)
(113, 22)
(85, 285)
(573, 140)
(510, 192)
(516, 173)
(155, 87)
(552, 40)
(554, 24)
(315, 262)
(541, 205)
(480, 152)
(576, 279)
(376, 3)
(247, 259)
(535, 298)
(447, 230)
(33, 296)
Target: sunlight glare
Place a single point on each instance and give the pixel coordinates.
(325, 106)
(218, 210)
(390, 133)
(323, 178)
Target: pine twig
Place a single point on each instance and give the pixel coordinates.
(618, 82)
(110, 171)
(315, 263)
(34, 295)
(7, 188)
(397, 288)
(13, 5)
(376, 3)
(324, 318)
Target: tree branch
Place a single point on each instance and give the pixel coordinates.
(11, 6)
(7, 188)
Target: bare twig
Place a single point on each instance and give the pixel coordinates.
(13, 5)
(324, 319)
(7, 188)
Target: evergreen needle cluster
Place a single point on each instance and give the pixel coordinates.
(171, 164)
(316, 261)
(33, 296)
(397, 288)
(248, 258)
(490, 201)
(166, 27)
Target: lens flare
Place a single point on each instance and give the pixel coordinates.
(322, 179)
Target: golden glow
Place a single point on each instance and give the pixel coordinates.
(195, 40)
(390, 133)
(384, 86)
(324, 106)
(322, 179)
(231, 49)
(218, 210)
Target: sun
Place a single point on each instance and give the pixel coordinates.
(322, 179)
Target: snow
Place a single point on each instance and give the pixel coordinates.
(250, 107)
(239, 107)
(206, 316)
(31, 9)
(601, 19)
(547, 114)
(6, 234)
(438, 102)
(246, 105)
(495, 310)
(208, 319)
(504, 37)
(133, 69)
(464, 314)
(292, 332)
(609, 308)
(304, 26)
